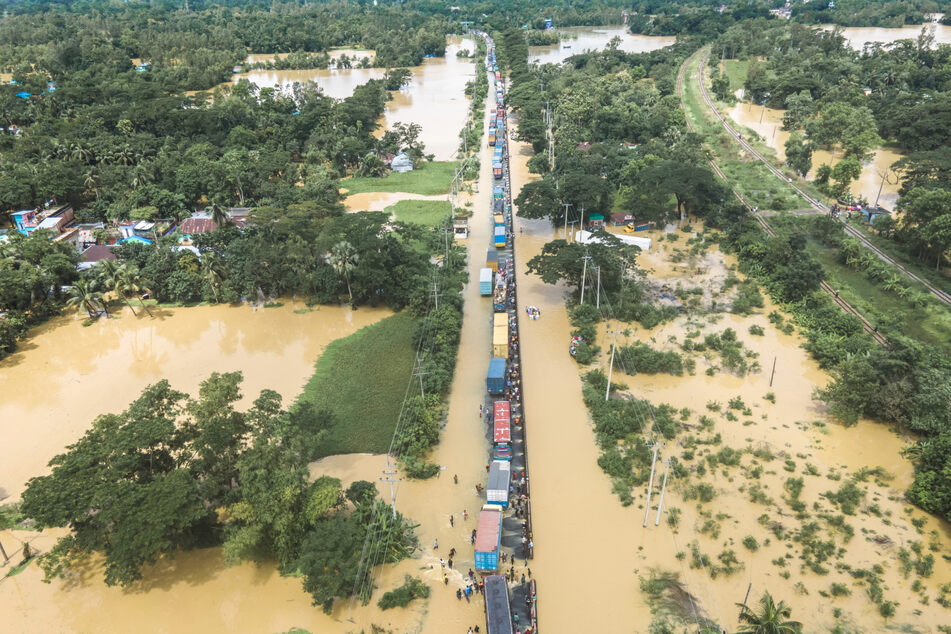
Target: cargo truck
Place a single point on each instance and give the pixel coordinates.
(498, 610)
(491, 136)
(500, 237)
(500, 319)
(495, 377)
(500, 474)
(498, 299)
(488, 538)
(500, 342)
(498, 205)
(492, 260)
(501, 431)
(485, 282)
(497, 193)
(497, 169)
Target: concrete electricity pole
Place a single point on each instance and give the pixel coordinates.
(650, 485)
(584, 272)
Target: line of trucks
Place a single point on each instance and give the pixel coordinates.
(493, 283)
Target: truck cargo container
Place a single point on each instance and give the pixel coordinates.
(491, 136)
(498, 205)
(497, 169)
(500, 319)
(495, 377)
(492, 260)
(501, 417)
(497, 193)
(499, 220)
(488, 538)
(485, 282)
(500, 475)
(498, 610)
(500, 342)
(500, 237)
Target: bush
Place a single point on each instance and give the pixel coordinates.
(413, 588)
(757, 330)
(750, 542)
(640, 357)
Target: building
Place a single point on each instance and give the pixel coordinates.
(54, 218)
(402, 163)
(595, 222)
(200, 222)
(621, 218)
(93, 255)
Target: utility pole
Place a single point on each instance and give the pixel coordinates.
(660, 506)
(436, 284)
(572, 232)
(584, 273)
(650, 485)
(566, 205)
(388, 474)
(597, 301)
(773, 373)
(607, 390)
(6, 558)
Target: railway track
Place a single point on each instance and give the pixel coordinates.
(841, 303)
(814, 202)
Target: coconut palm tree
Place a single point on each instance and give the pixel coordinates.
(219, 213)
(344, 259)
(84, 298)
(129, 281)
(770, 618)
(213, 272)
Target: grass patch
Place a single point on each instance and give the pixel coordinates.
(736, 72)
(430, 179)
(423, 212)
(931, 324)
(362, 379)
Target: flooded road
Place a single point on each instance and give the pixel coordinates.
(435, 97)
(65, 375)
(876, 175)
(579, 39)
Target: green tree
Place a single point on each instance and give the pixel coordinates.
(344, 259)
(798, 154)
(770, 618)
(799, 109)
(539, 199)
(82, 297)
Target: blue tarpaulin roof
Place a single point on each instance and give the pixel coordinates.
(23, 95)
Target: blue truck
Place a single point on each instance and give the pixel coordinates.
(500, 237)
(485, 282)
(488, 538)
(495, 377)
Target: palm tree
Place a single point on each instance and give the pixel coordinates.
(129, 281)
(219, 213)
(212, 272)
(344, 258)
(84, 298)
(769, 619)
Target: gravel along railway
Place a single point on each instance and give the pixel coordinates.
(814, 202)
(841, 303)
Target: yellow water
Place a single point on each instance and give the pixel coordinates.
(768, 123)
(378, 201)
(857, 36)
(434, 98)
(584, 38)
(64, 375)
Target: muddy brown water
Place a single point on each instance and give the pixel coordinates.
(858, 36)
(435, 97)
(768, 123)
(378, 201)
(64, 374)
(588, 38)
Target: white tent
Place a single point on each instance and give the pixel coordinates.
(586, 237)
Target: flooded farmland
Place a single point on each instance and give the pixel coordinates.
(877, 180)
(578, 39)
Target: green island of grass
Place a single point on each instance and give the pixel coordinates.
(428, 179)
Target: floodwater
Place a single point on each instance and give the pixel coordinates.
(876, 174)
(435, 97)
(587, 38)
(378, 201)
(858, 36)
(65, 375)
(195, 592)
(355, 54)
(788, 429)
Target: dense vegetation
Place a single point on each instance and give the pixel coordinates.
(174, 472)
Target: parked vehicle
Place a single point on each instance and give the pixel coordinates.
(485, 282)
(488, 538)
(498, 610)
(495, 377)
(500, 237)
(500, 477)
